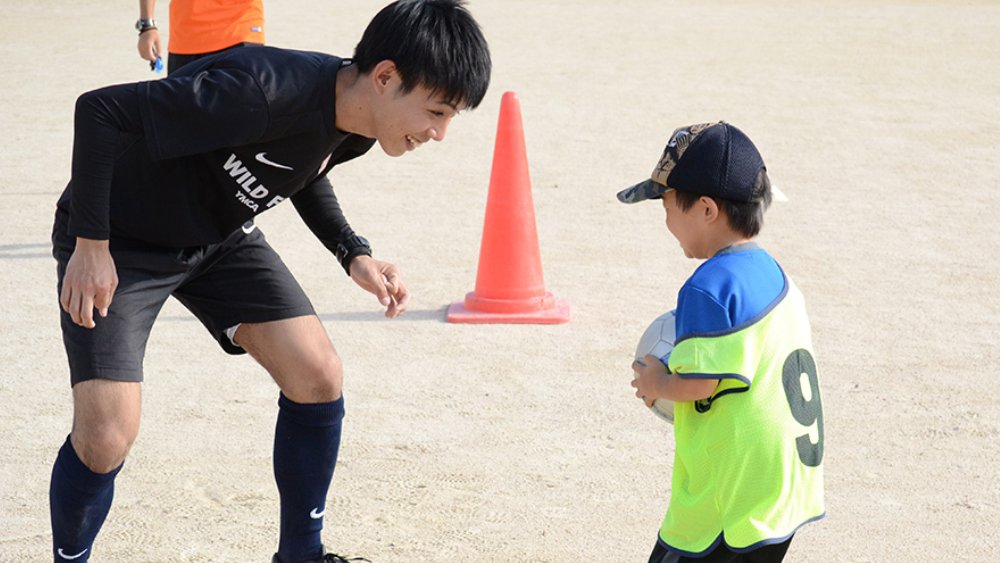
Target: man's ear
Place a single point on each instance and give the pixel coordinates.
(383, 74)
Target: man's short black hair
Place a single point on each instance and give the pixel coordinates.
(744, 218)
(434, 43)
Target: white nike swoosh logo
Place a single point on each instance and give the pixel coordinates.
(261, 158)
(71, 557)
(316, 515)
(249, 229)
(325, 162)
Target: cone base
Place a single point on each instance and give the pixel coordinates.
(559, 314)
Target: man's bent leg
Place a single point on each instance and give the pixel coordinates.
(105, 423)
(298, 355)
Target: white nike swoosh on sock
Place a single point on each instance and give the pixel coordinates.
(316, 515)
(71, 557)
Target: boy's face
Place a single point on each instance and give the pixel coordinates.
(404, 121)
(686, 226)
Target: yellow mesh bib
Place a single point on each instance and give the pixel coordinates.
(748, 463)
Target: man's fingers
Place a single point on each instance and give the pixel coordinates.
(403, 301)
(383, 296)
(401, 295)
(64, 298)
(81, 309)
(396, 295)
(80, 305)
(86, 310)
(382, 280)
(392, 280)
(103, 298)
(71, 304)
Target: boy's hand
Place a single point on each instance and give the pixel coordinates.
(651, 376)
(654, 381)
(384, 281)
(89, 282)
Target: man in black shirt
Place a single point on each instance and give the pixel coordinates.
(167, 178)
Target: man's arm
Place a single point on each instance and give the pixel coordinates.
(91, 279)
(318, 206)
(102, 119)
(149, 41)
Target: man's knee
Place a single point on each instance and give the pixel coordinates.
(105, 422)
(101, 452)
(298, 355)
(319, 380)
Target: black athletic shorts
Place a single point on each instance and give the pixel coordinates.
(772, 553)
(240, 280)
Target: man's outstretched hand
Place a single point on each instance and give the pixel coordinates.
(384, 281)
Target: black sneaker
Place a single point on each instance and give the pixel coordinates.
(327, 558)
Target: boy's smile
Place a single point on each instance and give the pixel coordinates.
(703, 229)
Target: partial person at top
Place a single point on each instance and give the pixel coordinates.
(199, 28)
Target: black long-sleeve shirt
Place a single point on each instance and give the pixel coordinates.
(187, 160)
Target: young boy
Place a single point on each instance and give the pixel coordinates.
(167, 178)
(748, 420)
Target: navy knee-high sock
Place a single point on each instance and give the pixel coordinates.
(79, 501)
(306, 442)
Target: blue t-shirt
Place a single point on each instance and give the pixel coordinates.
(729, 289)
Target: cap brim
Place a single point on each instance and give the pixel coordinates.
(642, 191)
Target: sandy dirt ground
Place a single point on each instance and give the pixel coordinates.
(879, 120)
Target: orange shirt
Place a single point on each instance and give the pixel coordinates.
(204, 26)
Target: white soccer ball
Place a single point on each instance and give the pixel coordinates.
(658, 341)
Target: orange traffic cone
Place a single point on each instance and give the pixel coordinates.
(509, 284)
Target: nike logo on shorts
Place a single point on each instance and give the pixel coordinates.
(71, 557)
(262, 159)
(317, 515)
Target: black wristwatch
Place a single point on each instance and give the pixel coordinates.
(142, 25)
(351, 248)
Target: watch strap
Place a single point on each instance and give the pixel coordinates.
(349, 249)
(143, 24)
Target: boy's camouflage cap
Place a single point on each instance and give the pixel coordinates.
(710, 159)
